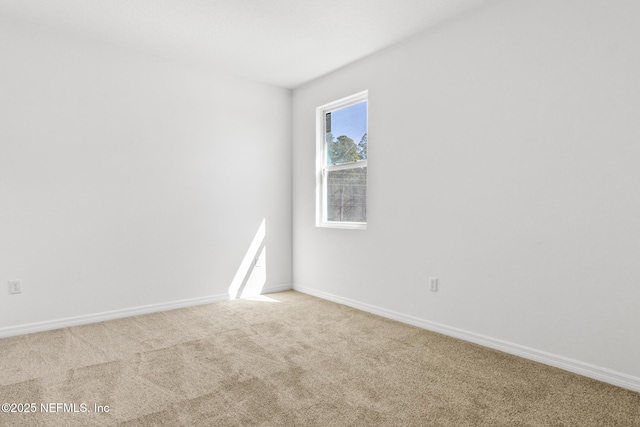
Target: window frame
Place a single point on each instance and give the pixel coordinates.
(322, 168)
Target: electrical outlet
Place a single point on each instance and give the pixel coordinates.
(433, 284)
(15, 287)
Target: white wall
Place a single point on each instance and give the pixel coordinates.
(127, 180)
(504, 159)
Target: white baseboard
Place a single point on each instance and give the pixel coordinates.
(107, 315)
(118, 314)
(278, 288)
(601, 374)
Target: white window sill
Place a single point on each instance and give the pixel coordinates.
(343, 225)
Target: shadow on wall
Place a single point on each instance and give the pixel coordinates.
(251, 276)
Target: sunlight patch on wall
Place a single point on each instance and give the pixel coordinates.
(251, 275)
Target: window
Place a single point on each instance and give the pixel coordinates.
(341, 163)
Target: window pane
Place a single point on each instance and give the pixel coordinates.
(346, 134)
(347, 195)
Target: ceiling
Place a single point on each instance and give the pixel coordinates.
(281, 42)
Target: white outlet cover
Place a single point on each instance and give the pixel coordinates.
(15, 287)
(433, 284)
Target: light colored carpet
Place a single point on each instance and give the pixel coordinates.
(293, 361)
